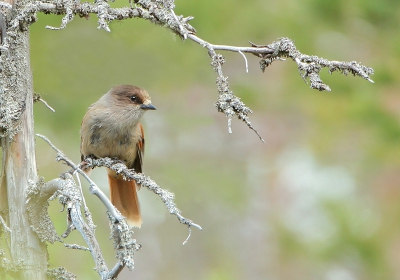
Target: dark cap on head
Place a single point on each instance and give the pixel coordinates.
(133, 95)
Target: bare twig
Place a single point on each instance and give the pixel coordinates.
(253, 50)
(245, 59)
(187, 238)
(37, 97)
(116, 270)
(47, 105)
(3, 223)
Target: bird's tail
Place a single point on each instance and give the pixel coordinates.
(124, 197)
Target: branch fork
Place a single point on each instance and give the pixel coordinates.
(70, 196)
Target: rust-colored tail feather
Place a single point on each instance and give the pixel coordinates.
(124, 197)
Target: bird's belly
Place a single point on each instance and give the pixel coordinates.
(114, 143)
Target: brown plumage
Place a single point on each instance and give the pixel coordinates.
(111, 128)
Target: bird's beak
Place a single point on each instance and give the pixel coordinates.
(148, 106)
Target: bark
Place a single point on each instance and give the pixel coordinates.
(28, 254)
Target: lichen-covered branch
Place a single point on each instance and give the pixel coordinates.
(144, 181)
(94, 189)
(59, 273)
(155, 11)
(161, 12)
(227, 102)
(309, 66)
(70, 196)
(37, 204)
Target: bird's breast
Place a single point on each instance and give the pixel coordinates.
(108, 137)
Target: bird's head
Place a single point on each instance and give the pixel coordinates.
(131, 98)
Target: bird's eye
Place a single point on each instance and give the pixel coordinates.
(133, 98)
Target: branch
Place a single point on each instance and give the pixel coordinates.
(161, 12)
(93, 188)
(59, 273)
(38, 196)
(144, 181)
(227, 102)
(70, 197)
(310, 66)
(37, 97)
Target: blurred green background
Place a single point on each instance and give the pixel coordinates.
(319, 200)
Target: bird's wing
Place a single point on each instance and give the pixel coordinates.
(138, 163)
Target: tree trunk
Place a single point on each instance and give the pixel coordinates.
(28, 254)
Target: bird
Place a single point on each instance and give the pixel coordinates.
(111, 128)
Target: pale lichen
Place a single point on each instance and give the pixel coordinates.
(37, 197)
(60, 273)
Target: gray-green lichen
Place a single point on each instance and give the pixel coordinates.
(37, 205)
(309, 66)
(124, 245)
(59, 273)
(7, 267)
